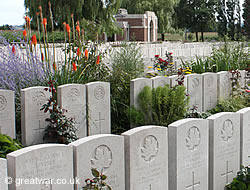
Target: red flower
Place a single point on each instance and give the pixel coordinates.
(68, 28)
(157, 55)
(13, 49)
(78, 30)
(42, 57)
(54, 66)
(24, 33)
(44, 23)
(27, 19)
(74, 67)
(78, 52)
(170, 53)
(98, 60)
(34, 40)
(86, 54)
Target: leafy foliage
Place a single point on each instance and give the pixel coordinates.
(127, 64)
(60, 127)
(160, 106)
(242, 180)
(8, 145)
(97, 183)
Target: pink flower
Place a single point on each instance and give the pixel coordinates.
(247, 90)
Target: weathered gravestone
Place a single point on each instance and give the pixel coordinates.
(146, 158)
(136, 86)
(103, 152)
(160, 81)
(242, 80)
(7, 113)
(41, 167)
(33, 122)
(3, 174)
(209, 90)
(72, 97)
(188, 154)
(224, 84)
(224, 149)
(245, 137)
(98, 108)
(194, 90)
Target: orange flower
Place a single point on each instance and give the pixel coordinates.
(78, 30)
(74, 67)
(98, 60)
(27, 19)
(68, 28)
(13, 49)
(24, 33)
(78, 52)
(86, 54)
(42, 57)
(44, 23)
(54, 66)
(34, 40)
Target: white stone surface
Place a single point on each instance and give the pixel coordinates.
(33, 122)
(224, 149)
(105, 153)
(98, 106)
(47, 163)
(194, 90)
(188, 154)
(72, 97)
(136, 86)
(209, 90)
(146, 158)
(242, 81)
(7, 113)
(224, 85)
(3, 174)
(160, 81)
(245, 137)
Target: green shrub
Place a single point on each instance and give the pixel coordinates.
(160, 106)
(127, 64)
(8, 145)
(242, 180)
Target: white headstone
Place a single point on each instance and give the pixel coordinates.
(209, 90)
(43, 167)
(194, 90)
(103, 152)
(160, 81)
(224, 149)
(72, 97)
(33, 122)
(242, 81)
(98, 106)
(224, 84)
(3, 174)
(7, 113)
(136, 86)
(245, 137)
(146, 158)
(188, 154)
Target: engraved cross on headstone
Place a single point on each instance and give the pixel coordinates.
(194, 184)
(39, 129)
(227, 173)
(210, 102)
(150, 187)
(100, 120)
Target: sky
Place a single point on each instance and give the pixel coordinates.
(12, 12)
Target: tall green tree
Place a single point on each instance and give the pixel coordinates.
(196, 15)
(246, 17)
(98, 11)
(164, 10)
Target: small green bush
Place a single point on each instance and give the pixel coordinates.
(160, 106)
(242, 180)
(8, 145)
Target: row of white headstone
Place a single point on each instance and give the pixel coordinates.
(204, 90)
(191, 154)
(88, 104)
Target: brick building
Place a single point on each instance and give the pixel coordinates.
(139, 27)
